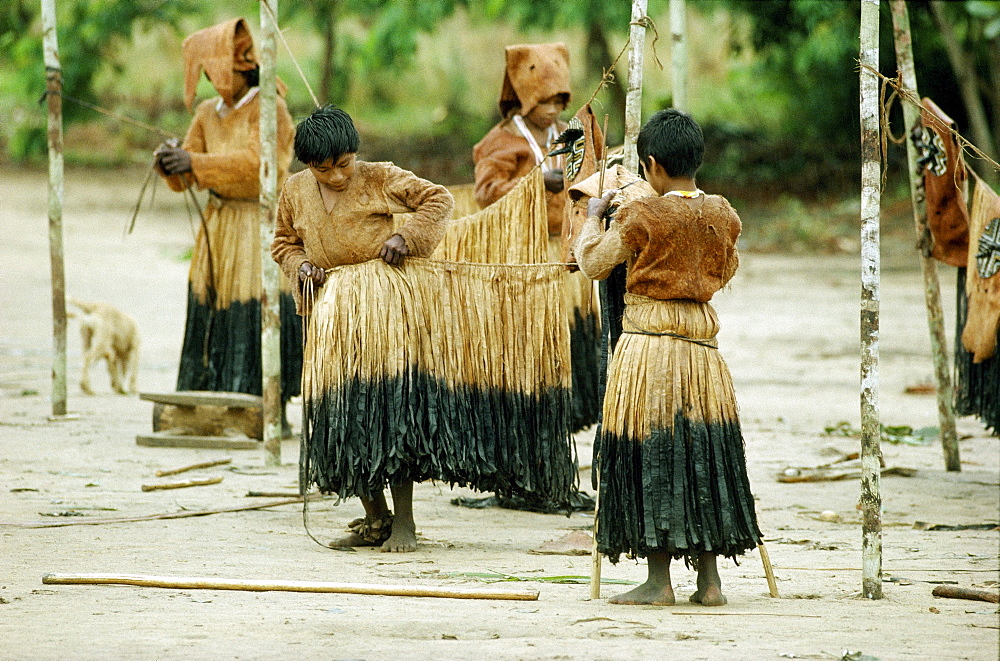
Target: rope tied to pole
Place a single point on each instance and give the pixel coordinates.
(267, 6)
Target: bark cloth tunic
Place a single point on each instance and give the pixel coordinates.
(672, 467)
(342, 453)
(221, 349)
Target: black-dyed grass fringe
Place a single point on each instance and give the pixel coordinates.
(585, 343)
(612, 294)
(228, 359)
(682, 491)
(977, 386)
(443, 371)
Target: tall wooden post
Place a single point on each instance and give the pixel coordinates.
(679, 53)
(871, 450)
(270, 316)
(53, 88)
(932, 289)
(633, 93)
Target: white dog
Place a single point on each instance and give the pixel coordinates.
(109, 334)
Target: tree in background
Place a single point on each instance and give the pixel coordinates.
(91, 36)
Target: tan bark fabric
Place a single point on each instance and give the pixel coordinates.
(361, 221)
(944, 178)
(534, 73)
(681, 251)
(218, 50)
(225, 151)
(501, 159)
(980, 334)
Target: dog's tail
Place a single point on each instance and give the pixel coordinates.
(86, 307)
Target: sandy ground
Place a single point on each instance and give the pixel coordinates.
(790, 335)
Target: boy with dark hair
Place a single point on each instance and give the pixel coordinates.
(672, 466)
(338, 212)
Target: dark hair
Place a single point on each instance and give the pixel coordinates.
(328, 133)
(252, 76)
(674, 139)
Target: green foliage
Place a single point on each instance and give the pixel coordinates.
(90, 35)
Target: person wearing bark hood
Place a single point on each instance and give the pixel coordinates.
(221, 153)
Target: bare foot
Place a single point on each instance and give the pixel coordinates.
(710, 596)
(646, 594)
(403, 538)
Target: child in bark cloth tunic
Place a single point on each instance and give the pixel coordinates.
(221, 349)
(673, 480)
(535, 90)
(336, 213)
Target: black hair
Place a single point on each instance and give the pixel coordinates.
(675, 140)
(328, 133)
(252, 76)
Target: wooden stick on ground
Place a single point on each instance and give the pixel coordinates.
(151, 517)
(181, 485)
(182, 469)
(975, 594)
(772, 585)
(193, 583)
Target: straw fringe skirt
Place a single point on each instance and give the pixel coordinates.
(977, 385)
(672, 467)
(438, 370)
(221, 349)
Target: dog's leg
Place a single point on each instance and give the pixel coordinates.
(88, 356)
(132, 364)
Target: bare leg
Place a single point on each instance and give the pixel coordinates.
(709, 582)
(404, 530)
(375, 509)
(656, 591)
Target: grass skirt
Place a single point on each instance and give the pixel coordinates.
(436, 370)
(673, 473)
(977, 387)
(221, 349)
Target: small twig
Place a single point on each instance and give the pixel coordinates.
(181, 485)
(741, 613)
(205, 464)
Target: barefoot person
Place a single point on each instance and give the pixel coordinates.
(673, 471)
(338, 212)
(221, 152)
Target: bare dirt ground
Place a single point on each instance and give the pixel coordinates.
(790, 335)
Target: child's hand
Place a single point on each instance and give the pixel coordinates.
(394, 250)
(173, 160)
(309, 272)
(598, 206)
(554, 180)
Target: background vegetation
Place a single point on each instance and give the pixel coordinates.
(773, 82)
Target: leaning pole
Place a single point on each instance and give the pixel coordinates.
(679, 53)
(270, 316)
(871, 451)
(53, 91)
(932, 289)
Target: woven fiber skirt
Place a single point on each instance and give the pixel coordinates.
(438, 370)
(673, 475)
(221, 349)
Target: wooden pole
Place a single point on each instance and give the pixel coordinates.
(270, 315)
(679, 53)
(932, 289)
(193, 583)
(53, 88)
(871, 450)
(633, 93)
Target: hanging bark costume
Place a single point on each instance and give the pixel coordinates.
(953, 233)
(432, 370)
(534, 73)
(221, 349)
(673, 471)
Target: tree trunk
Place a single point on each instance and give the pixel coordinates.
(329, 20)
(599, 58)
(968, 86)
(871, 451)
(633, 96)
(679, 53)
(932, 289)
(53, 87)
(270, 318)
